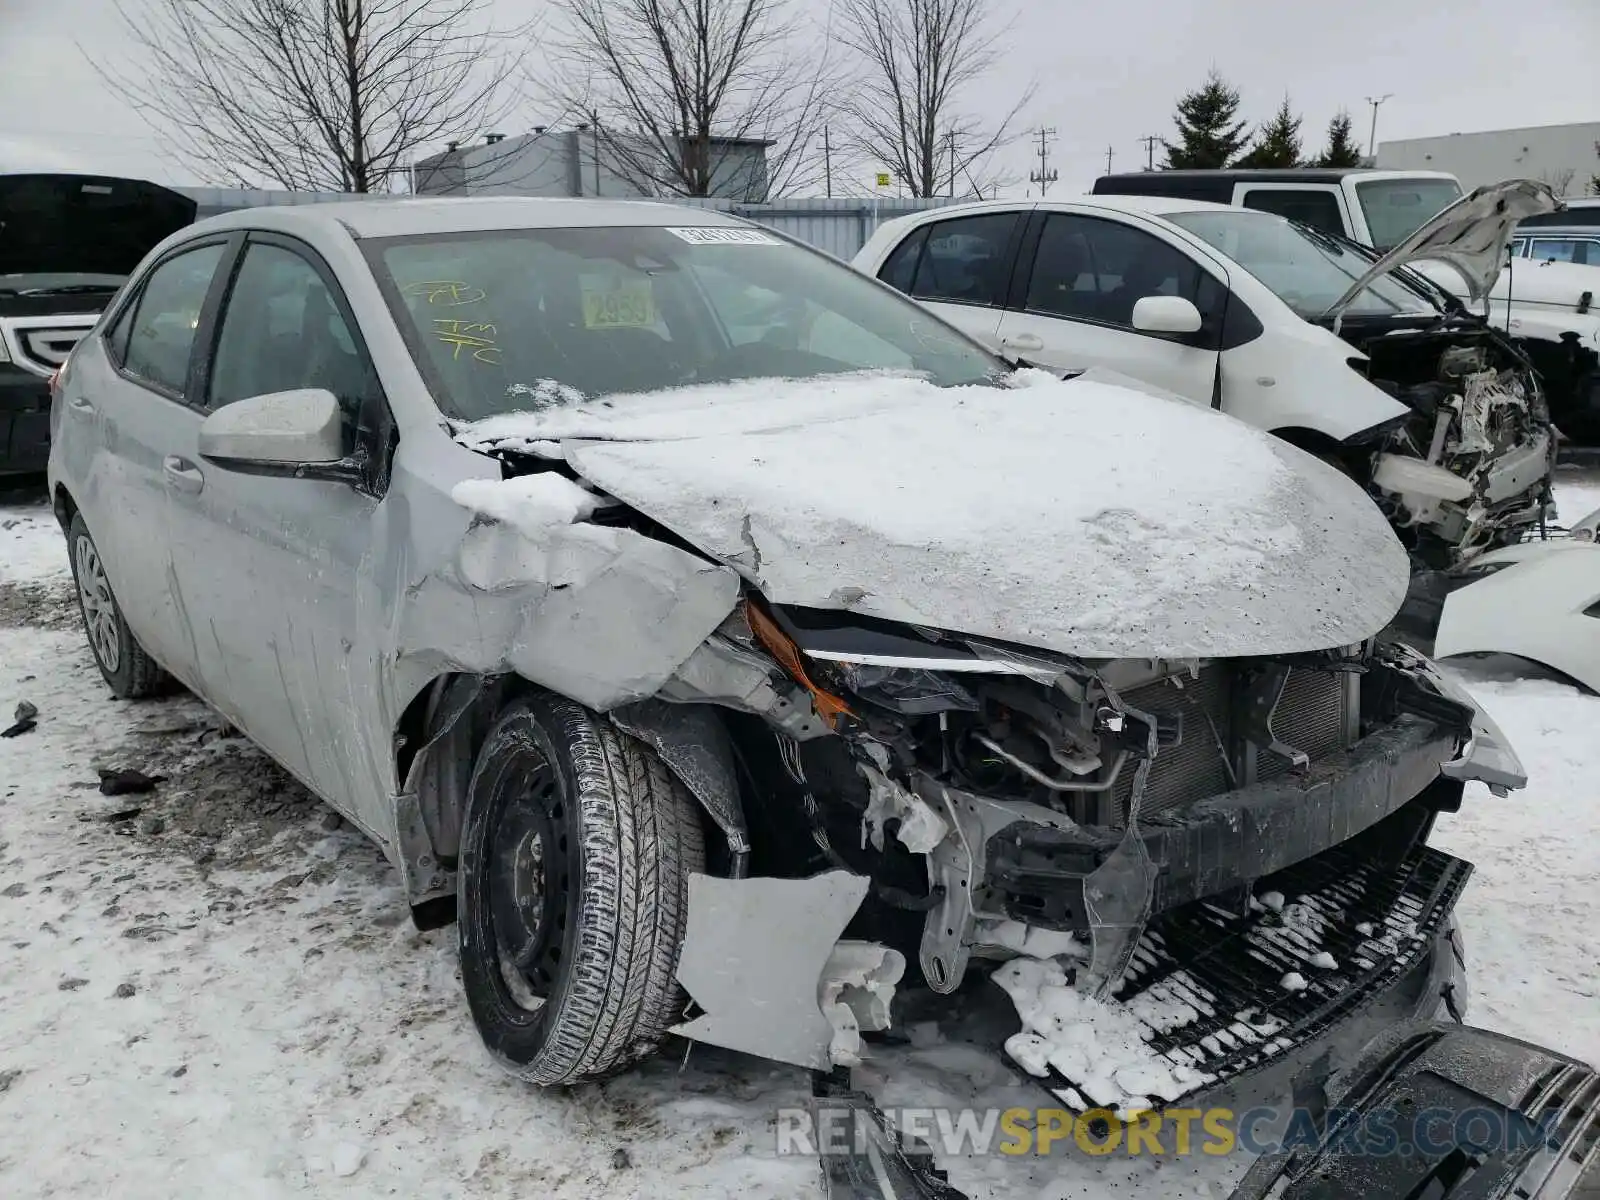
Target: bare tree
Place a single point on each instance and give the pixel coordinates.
(919, 60)
(1558, 179)
(334, 95)
(696, 97)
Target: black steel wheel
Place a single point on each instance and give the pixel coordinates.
(573, 893)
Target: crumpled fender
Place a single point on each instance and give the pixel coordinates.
(1535, 600)
(601, 615)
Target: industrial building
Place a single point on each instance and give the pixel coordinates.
(1564, 156)
(583, 162)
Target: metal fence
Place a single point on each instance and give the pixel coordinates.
(839, 226)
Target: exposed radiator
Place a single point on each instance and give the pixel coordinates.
(1312, 716)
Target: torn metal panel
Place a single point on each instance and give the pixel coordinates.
(692, 740)
(756, 958)
(721, 671)
(603, 616)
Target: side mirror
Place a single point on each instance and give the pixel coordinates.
(297, 434)
(1165, 314)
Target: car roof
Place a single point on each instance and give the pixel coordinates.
(1155, 206)
(1273, 175)
(407, 216)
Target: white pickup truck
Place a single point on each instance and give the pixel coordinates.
(1548, 307)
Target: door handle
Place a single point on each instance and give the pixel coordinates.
(182, 474)
(1024, 341)
(81, 403)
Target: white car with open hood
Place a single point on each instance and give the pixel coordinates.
(1295, 331)
(684, 613)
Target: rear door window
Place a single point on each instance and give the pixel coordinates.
(966, 260)
(1319, 209)
(162, 335)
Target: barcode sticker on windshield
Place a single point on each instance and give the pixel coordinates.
(710, 235)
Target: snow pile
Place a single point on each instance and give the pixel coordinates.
(1034, 941)
(1079, 516)
(1101, 1045)
(527, 502)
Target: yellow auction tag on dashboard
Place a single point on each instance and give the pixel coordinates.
(618, 304)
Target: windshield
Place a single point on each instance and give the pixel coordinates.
(494, 318)
(1397, 208)
(1306, 269)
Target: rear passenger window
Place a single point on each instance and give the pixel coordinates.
(1320, 210)
(168, 313)
(964, 260)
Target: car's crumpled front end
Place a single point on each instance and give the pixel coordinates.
(1086, 691)
(1469, 467)
(1192, 868)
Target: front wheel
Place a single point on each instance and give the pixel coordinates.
(131, 673)
(573, 893)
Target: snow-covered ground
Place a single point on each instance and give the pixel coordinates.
(214, 989)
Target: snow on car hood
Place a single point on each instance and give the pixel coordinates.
(1472, 236)
(1084, 517)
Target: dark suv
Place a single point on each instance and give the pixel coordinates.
(67, 242)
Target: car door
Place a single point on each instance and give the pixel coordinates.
(960, 268)
(137, 399)
(268, 567)
(1074, 298)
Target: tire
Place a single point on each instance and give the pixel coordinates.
(130, 672)
(569, 962)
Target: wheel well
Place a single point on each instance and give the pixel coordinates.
(1312, 441)
(65, 508)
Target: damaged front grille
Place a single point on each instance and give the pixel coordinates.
(1315, 715)
(1319, 941)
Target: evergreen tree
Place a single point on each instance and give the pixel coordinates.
(1342, 150)
(1594, 180)
(1209, 136)
(1277, 142)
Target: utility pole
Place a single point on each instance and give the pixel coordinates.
(827, 163)
(1044, 176)
(950, 134)
(1110, 154)
(1150, 140)
(1372, 136)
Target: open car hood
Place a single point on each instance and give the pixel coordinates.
(88, 224)
(1472, 236)
(1085, 517)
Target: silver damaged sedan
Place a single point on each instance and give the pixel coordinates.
(725, 642)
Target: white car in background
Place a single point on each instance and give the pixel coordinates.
(1293, 330)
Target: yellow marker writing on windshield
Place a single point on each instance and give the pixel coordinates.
(478, 337)
(448, 292)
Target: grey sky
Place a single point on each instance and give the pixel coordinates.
(1108, 73)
